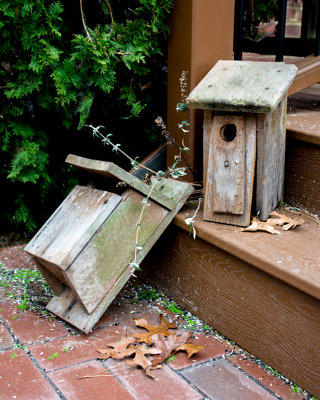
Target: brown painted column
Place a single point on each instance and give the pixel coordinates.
(201, 34)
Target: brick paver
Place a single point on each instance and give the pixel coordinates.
(262, 376)
(6, 339)
(166, 385)
(220, 381)
(28, 327)
(101, 388)
(20, 378)
(74, 349)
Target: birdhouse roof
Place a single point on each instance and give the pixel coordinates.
(245, 86)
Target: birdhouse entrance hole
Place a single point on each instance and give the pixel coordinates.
(228, 132)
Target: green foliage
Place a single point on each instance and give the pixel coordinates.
(265, 10)
(58, 71)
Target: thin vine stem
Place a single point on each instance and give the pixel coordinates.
(145, 204)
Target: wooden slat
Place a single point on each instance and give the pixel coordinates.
(229, 201)
(110, 251)
(243, 86)
(72, 225)
(224, 190)
(111, 170)
(270, 160)
(267, 317)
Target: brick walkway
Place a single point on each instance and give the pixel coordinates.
(42, 359)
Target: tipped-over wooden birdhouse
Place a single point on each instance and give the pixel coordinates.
(244, 137)
(87, 249)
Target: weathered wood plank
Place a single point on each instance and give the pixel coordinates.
(72, 225)
(111, 170)
(224, 187)
(110, 251)
(230, 200)
(270, 159)
(245, 86)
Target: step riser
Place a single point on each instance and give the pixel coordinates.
(267, 317)
(302, 175)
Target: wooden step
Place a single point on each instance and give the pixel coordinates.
(260, 290)
(302, 174)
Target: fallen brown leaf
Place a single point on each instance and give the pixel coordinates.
(140, 358)
(161, 329)
(190, 348)
(284, 221)
(169, 345)
(257, 225)
(118, 349)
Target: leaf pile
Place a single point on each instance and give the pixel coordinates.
(281, 220)
(157, 341)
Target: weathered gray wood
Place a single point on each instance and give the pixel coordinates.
(110, 251)
(270, 159)
(207, 130)
(245, 86)
(55, 284)
(111, 170)
(70, 304)
(229, 201)
(224, 187)
(72, 225)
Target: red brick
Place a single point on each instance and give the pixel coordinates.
(220, 380)
(124, 313)
(15, 257)
(80, 348)
(21, 380)
(104, 321)
(213, 348)
(6, 340)
(270, 381)
(166, 384)
(28, 327)
(100, 388)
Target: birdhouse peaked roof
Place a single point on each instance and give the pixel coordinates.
(243, 86)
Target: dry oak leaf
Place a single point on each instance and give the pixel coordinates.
(284, 221)
(118, 349)
(257, 225)
(161, 329)
(190, 348)
(173, 344)
(140, 358)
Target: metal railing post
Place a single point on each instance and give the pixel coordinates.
(281, 29)
(238, 29)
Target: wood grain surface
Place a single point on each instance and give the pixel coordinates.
(293, 256)
(72, 225)
(245, 86)
(273, 320)
(229, 189)
(302, 175)
(270, 159)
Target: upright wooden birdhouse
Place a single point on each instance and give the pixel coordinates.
(244, 137)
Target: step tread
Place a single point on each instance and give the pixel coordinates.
(303, 125)
(293, 256)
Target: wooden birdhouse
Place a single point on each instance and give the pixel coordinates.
(86, 249)
(243, 138)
